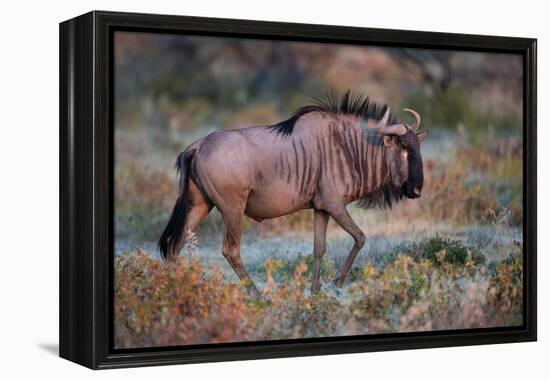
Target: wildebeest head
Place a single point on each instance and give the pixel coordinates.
(403, 154)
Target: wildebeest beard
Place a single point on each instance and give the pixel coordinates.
(389, 194)
(416, 174)
(385, 197)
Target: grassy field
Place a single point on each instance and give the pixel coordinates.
(450, 260)
(437, 284)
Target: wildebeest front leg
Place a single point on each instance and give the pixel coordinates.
(232, 251)
(320, 218)
(345, 221)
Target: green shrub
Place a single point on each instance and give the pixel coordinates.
(440, 250)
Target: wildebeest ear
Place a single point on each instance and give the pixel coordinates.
(421, 135)
(389, 141)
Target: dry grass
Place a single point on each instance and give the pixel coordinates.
(188, 303)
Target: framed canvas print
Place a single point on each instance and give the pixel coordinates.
(236, 189)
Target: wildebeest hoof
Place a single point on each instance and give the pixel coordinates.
(315, 289)
(261, 299)
(338, 282)
(254, 294)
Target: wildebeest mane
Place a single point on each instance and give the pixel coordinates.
(348, 104)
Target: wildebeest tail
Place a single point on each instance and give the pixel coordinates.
(174, 229)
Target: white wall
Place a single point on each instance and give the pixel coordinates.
(29, 187)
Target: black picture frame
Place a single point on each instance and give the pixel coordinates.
(86, 188)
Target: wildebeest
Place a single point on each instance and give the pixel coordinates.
(325, 156)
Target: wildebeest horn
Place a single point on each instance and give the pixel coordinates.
(416, 118)
(396, 129)
(385, 118)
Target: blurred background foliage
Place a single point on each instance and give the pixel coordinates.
(183, 82)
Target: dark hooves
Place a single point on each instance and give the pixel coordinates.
(255, 294)
(338, 282)
(315, 289)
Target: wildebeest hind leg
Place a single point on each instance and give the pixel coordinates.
(232, 249)
(198, 209)
(195, 216)
(345, 221)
